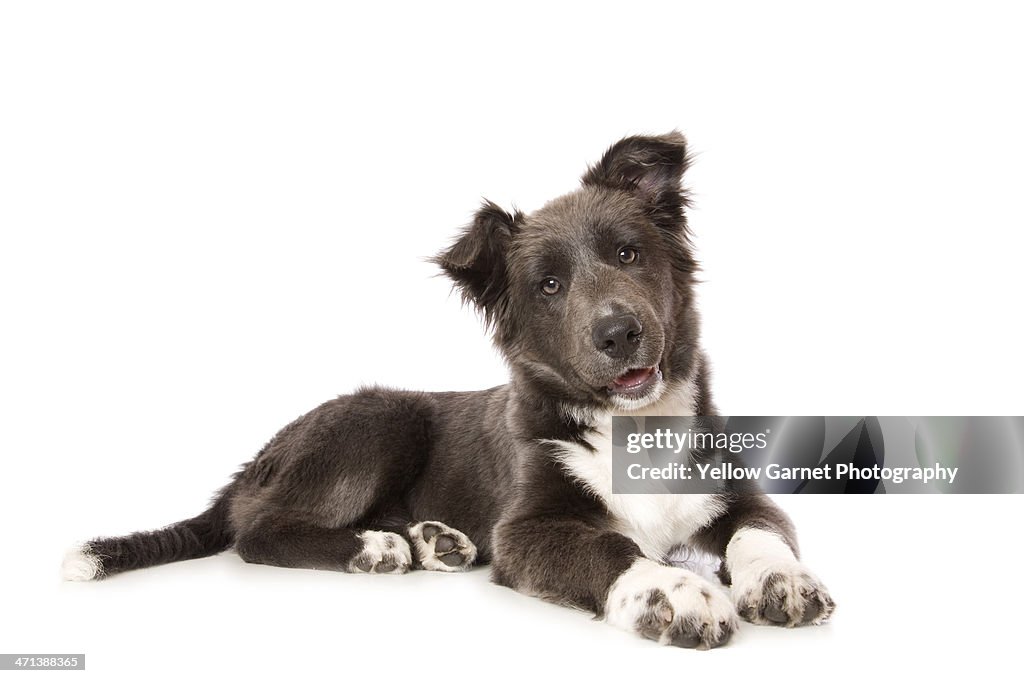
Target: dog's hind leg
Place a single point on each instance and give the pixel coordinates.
(386, 549)
(439, 547)
(297, 544)
(327, 491)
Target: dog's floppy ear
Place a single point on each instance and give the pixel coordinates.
(651, 167)
(476, 262)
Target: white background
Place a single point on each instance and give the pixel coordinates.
(215, 216)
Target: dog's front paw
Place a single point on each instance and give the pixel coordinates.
(670, 605)
(383, 552)
(441, 548)
(781, 593)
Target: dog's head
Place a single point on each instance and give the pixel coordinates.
(590, 296)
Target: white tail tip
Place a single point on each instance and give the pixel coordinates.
(80, 564)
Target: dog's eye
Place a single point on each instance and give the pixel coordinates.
(628, 255)
(550, 286)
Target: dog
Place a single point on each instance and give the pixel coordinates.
(591, 301)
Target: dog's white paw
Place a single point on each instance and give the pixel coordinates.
(770, 586)
(441, 548)
(670, 605)
(383, 552)
(781, 593)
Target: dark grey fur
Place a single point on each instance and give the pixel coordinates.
(383, 459)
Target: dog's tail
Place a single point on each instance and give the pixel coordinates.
(202, 536)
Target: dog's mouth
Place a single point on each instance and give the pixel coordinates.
(635, 383)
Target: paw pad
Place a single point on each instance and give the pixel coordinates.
(439, 547)
(383, 552)
(671, 606)
(782, 595)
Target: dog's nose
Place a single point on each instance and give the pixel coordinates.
(617, 335)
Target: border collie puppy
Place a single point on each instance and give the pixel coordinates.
(590, 300)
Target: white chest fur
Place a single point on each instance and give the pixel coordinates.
(656, 522)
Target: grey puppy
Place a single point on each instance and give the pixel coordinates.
(591, 302)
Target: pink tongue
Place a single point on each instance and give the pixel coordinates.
(633, 377)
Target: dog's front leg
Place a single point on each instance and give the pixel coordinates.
(580, 563)
(770, 584)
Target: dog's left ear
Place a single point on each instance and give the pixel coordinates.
(476, 263)
(650, 167)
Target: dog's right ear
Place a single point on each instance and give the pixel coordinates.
(476, 263)
(647, 164)
(651, 168)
